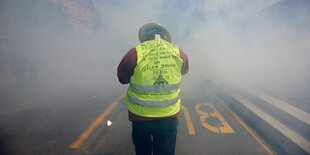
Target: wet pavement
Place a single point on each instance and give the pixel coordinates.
(75, 122)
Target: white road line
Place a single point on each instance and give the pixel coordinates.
(292, 135)
(286, 107)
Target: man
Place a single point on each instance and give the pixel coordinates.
(153, 70)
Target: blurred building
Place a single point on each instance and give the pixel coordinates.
(21, 20)
(83, 16)
(5, 72)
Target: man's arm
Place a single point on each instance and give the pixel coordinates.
(127, 66)
(185, 66)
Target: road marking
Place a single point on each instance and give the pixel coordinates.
(204, 116)
(189, 123)
(286, 107)
(78, 142)
(251, 131)
(286, 131)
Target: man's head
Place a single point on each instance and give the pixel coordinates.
(148, 32)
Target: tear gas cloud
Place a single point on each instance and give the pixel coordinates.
(266, 49)
(244, 43)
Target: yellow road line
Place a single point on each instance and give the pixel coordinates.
(189, 123)
(252, 132)
(78, 142)
(282, 128)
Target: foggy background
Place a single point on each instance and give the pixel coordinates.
(50, 46)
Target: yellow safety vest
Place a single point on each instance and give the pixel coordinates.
(155, 85)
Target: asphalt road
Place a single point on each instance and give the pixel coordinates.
(95, 122)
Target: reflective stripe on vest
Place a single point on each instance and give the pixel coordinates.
(153, 103)
(155, 87)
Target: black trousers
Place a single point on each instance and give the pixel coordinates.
(155, 137)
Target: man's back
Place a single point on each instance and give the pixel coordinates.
(154, 71)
